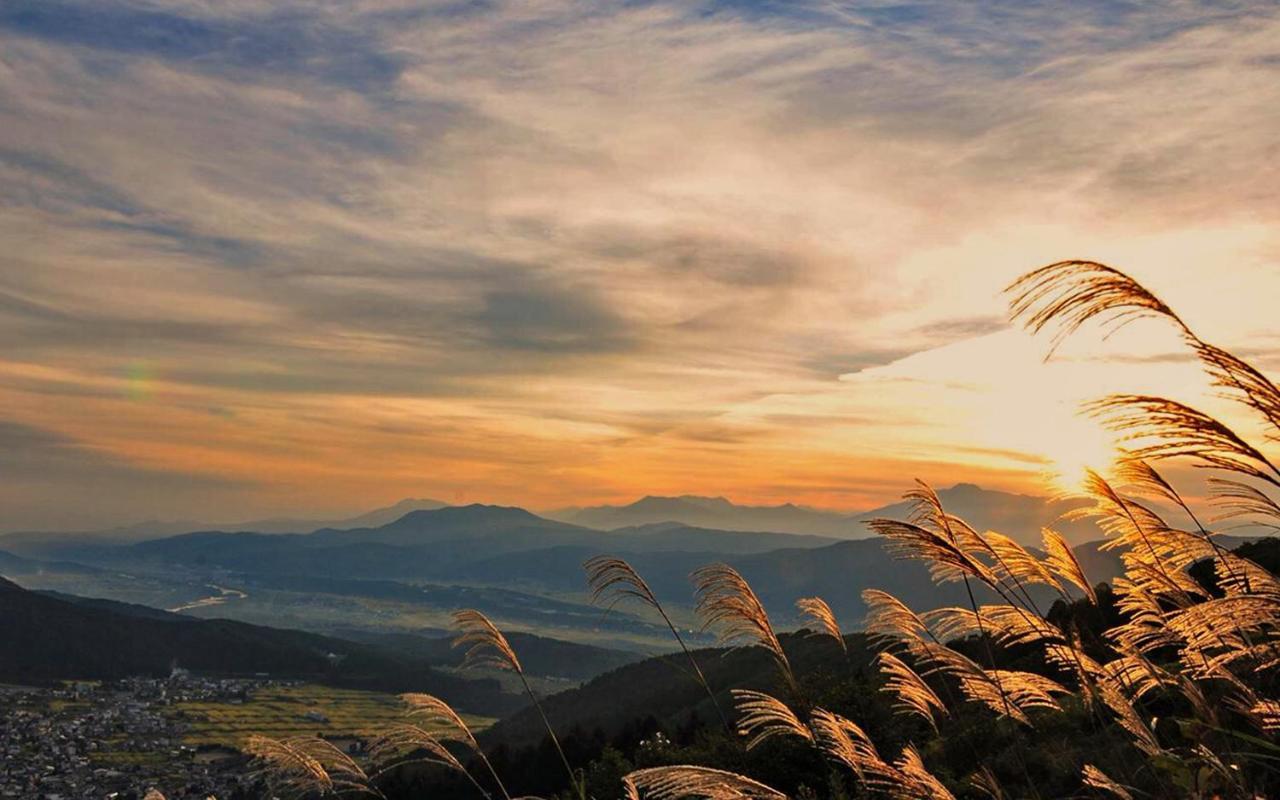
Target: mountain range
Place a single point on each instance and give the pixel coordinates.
(432, 544)
(1016, 515)
(713, 512)
(1013, 514)
(369, 606)
(50, 542)
(101, 641)
(527, 570)
(104, 639)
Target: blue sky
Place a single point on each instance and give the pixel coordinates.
(307, 256)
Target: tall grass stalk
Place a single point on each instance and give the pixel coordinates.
(613, 580)
(487, 646)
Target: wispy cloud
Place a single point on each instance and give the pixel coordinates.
(554, 249)
(93, 483)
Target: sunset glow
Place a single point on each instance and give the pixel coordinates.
(743, 249)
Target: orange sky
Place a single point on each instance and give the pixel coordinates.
(553, 253)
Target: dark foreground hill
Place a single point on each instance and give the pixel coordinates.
(47, 639)
(539, 655)
(661, 687)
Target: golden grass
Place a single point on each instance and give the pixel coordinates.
(727, 604)
(486, 646)
(762, 717)
(816, 609)
(306, 765)
(914, 695)
(668, 783)
(612, 580)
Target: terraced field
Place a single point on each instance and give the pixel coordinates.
(282, 711)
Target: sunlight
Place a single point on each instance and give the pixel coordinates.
(1073, 446)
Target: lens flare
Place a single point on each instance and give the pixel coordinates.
(139, 382)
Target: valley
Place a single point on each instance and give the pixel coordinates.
(409, 573)
(315, 633)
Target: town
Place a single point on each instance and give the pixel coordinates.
(117, 741)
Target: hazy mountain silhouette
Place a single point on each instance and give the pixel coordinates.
(524, 567)
(46, 543)
(450, 522)
(11, 564)
(369, 519)
(431, 543)
(712, 512)
(676, 536)
(1018, 516)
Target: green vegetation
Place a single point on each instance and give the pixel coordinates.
(122, 759)
(110, 642)
(282, 712)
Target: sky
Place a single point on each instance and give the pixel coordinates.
(265, 257)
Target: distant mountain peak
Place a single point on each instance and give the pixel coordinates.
(685, 500)
(660, 501)
(1019, 516)
(472, 510)
(159, 529)
(473, 518)
(416, 502)
(713, 512)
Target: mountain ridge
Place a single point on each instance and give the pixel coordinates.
(45, 543)
(1019, 516)
(709, 512)
(99, 641)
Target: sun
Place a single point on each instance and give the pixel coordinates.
(1073, 446)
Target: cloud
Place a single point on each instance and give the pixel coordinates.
(642, 240)
(94, 484)
(34, 455)
(549, 319)
(287, 40)
(735, 263)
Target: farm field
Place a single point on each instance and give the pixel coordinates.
(283, 711)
